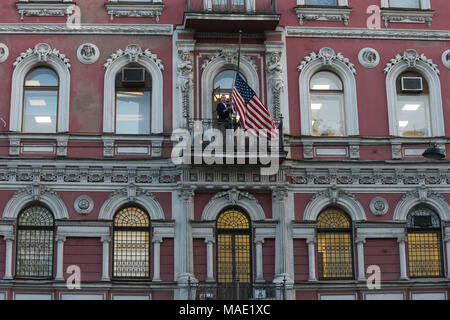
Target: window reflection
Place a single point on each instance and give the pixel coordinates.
(40, 101)
(322, 2)
(327, 105)
(405, 3)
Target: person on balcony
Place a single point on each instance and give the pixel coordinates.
(223, 112)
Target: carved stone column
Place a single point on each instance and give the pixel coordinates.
(60, 257)
(402, 250)
(311, 258)
(183, 240)
(156, 258)
(185, 78)
(284, 257)
(259, 260)
(447, 245)
(275, 80)
(209, 259)
(8, 261)
(361, 268)
(105, 264)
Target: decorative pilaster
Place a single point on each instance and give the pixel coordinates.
(259, 260)
(209, 259)
(447, 245)
(8, 261)
(185, 80)
(275, 78)
(361, 268)
(311, 258)
(60, 257)
(402, 250)
(105, 266)
(284, 264)
(156, 258)
(183, 240)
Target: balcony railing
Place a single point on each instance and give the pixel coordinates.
(232, 6)
(237, 291)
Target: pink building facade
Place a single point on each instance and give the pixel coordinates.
(359, 90)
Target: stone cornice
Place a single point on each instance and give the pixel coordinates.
(61, 28)
(323, 13)
(406, 16)
(364, 33)
(135, 10)
(45, 9)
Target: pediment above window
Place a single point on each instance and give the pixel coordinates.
(406, 16)
(148, 9)
(45, 8)
(338, 12)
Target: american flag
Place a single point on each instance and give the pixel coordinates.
(255, 117)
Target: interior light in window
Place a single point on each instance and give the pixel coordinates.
(411, 107)
(43, 119)
(130, 117)
(321, 87)
(32, 83)
(38, 103)
(316, 106)
(403, 123)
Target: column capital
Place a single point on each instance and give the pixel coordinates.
(60, 238)
(210, 240)
(8, 237)
(259, 240)
(105, 238)
(310, 240)
(402, 239)
(157, 239)
(185, 192)
(360, 239)
(280, 193)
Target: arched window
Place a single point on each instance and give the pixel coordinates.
(327, 105)
(334, 245)
(133, 100)
(424, 243)
(131, 244)
(35, 237)
(223, 86)
(413, 105)
(41, 91)
(233, 247)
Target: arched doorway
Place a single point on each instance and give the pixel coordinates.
(234, 254)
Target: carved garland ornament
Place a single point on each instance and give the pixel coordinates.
(134, 53)
(411, 57)
(328, 57)
(230, 55)
(43, 51)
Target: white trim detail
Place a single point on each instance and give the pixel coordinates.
(233, 197)
(131, 194)
(41, 55)
(154, 66)
(35, 192)
(340, 12)
(225, 59)
(426, 67)
(88, 53)
(151, 9)
(4, 52)
(328, 59)
(334, 196)
(45, 9)
(422, 195)
(446, 59)
(369, 58)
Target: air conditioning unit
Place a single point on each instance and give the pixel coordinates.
(133, 75)
(412, 84)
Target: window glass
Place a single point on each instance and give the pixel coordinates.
(40, 101)
(34, 255)
(405, 3)
(133, 112)
(322, 2)
(327, 105)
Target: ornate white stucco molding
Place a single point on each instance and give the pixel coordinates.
(233, 197)
(327, 58)
(129, 195)
(41, 55)
(35, 192)
(275, 80)
(185, 81)
(133, 54)
(422, 195)
(429, 70)
(413, 16)
(323, 14)
(153, 9)
(45, 8)
(337, 197)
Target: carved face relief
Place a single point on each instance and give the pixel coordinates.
(4, 52)
(88, 53)
(446, 59)
(369, 58)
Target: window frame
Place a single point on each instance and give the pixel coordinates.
(25, 88)
(131, 229)
(349, 231)
(36, 228)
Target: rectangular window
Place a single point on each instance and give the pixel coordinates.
(40, 111)
(413, 115)
(133, 112)
(334, 255)
(413, 4)
(424, 254)
(321, 2)
(327, 114)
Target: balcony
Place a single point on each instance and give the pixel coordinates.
(237, 291)
(236, 146)
(250, 16)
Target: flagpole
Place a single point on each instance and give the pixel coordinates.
(238, 69)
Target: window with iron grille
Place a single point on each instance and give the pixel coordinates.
(334, 245)
(233, 247)
(424, 243)
(35, 237)
(131, 244)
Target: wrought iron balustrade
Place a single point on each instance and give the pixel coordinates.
(237, 291)
(232, 6)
